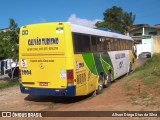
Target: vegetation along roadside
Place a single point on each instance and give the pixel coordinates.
(8, 83)
(143, 85)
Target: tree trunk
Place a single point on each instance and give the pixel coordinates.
(13, 70)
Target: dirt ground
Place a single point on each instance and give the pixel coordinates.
(112, 99)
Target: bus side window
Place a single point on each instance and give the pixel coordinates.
(115, 44)
(120, 43)
(104, 43)
(74, 37)
(81, 43)
(94, 43)
(119, 46)
(107, 43)
(126, 44)
(112, 44)
(99, 44)
(87, 47)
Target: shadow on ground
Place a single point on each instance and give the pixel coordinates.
(58, 99)
(4, 77)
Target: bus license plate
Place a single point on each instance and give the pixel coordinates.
(43, 84)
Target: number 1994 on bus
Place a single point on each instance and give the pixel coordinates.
(26, 72)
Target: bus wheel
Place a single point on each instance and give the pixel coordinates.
(94, 93)
(100, 85)
(108, 79)
(130, 68)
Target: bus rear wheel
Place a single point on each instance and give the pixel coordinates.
(130, 67)
(108, 79)
(100, 85)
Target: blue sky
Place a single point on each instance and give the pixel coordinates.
(85, 12)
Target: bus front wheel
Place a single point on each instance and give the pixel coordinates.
(108, 79)
(100, 85)
(129, 68)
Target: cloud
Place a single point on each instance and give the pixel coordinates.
(41, 20)
(84, 22)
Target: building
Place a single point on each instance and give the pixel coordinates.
(4, 29)
(6, 65)
(147, 38)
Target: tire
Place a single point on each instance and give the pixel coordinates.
(108, 79)
(10, 75)
(94, 93)
(100, 85)
(130, 69)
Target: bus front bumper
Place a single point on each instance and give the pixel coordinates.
(69, 91)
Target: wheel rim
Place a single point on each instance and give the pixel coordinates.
(130, 68)
(109, 77)
(100, 85)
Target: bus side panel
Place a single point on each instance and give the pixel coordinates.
(103, 63)
(107, 63)
(120, 61)
(81, 75)
(88, 68)
(92, 72)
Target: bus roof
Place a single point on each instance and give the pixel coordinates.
(92, 31)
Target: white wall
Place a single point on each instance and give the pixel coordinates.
(143, 48)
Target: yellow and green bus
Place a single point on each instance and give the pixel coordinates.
(64, 59)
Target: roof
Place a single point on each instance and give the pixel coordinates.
(137, 28)
(110, 30)
(91, 31)
(4, 29)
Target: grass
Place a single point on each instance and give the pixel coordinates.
(144, 82)
(8, 84)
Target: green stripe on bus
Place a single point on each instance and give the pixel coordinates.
(89, 60)
(107, 63)
(106, 58)
(98, 63)
(106, 66)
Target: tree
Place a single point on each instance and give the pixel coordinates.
(9, 43)
(14, 37)
(128, 21)
(3, 45)
(115, 18)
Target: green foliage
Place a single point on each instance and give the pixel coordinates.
(8, 84)
(102, 24)
(144, 83)
(13, 26)
(113, 17)
(148, 72)
(117, 19)
(128, 21)
(9, 41)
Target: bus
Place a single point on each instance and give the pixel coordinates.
(64, 59)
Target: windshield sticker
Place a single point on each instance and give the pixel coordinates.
(59, 30)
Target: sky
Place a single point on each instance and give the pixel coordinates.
(83, 12)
